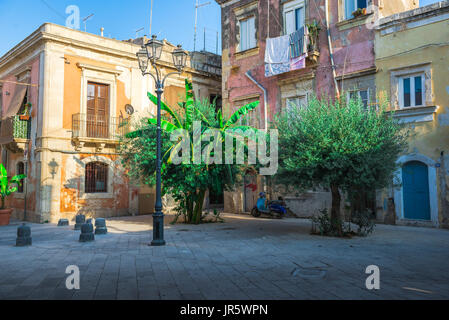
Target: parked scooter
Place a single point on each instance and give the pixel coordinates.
(275, 209)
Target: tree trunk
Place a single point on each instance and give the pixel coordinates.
(189, 209)
(335, 212)
(198, 211)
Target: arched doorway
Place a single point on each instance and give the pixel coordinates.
(415, 184)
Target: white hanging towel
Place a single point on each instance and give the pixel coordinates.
(277, 50)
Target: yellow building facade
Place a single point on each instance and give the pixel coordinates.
(412, 57)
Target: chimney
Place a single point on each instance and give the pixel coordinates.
(101, 31)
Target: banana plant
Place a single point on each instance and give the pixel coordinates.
(8, 186)
(191, 110)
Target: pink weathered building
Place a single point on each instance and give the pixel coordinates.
(347, 29)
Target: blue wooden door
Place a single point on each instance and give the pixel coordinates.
(415, 183)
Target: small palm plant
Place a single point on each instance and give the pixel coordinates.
(8, 187)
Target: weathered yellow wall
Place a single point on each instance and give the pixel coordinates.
(389, 7)
(414, 46)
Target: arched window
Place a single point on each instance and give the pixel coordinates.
(96, 178)
(20, 170)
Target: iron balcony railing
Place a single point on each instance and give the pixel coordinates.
(98, 127)
(14, 128)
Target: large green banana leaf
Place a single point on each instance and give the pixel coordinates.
(166, 108)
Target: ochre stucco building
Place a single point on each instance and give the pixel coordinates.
(79, 87)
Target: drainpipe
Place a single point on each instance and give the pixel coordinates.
(331, 50)
(265, 97)
(265, 100)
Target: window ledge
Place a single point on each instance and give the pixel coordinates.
(353, 22)
(19, 195)
(247, 53)
(87, 196)
(415, 114)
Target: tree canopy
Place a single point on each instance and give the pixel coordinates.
(340, 146)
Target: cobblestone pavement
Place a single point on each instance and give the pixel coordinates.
(244, 258)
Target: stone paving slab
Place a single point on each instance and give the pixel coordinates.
(243, 258)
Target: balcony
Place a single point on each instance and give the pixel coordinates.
(97, 130)
(302, 42)
(15, 133)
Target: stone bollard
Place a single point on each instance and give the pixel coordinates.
(80, 220)
(23, 236)
(87, 233)
(100, 226)
(63, 223)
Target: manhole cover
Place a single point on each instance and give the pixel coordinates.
(227, 229)
(308, 273)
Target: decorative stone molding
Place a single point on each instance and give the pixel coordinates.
(397, 73)
(84, 66)
(111, 168)
(416, 114)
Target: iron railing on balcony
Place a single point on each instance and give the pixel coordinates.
(98, 127)
(14, 128)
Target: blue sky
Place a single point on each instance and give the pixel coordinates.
(172, 19)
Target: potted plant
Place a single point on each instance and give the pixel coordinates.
(314, 31)
(359, 12)
(26, 112)
(6, 188)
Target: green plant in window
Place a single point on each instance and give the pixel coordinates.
(314, 32)
(8, 186)
(359, 12)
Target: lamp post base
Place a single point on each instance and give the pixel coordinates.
(158, 230)
(157, 243)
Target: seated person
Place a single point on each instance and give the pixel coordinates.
(261, 203)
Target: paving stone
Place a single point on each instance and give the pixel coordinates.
(241, 259)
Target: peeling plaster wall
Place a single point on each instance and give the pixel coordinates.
(29, 59)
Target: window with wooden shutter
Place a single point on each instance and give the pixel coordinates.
(96, 178)
(248, 34)
(97, 110)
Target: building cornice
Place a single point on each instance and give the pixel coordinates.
(406, 17)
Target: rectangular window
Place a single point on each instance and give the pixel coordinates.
(412, 91)
(96, 178)
(353, 5)
(418, 91)
(248, 34)
(363, 95)
(296, 102)
(294, 17)
(97, 116)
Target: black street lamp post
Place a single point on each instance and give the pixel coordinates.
(151, 53)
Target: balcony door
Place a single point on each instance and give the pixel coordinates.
(97, 115)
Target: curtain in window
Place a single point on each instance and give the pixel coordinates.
(418, 91)
(407, 92)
